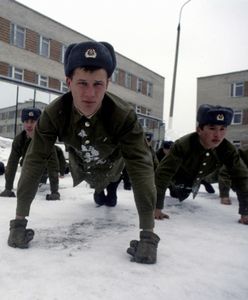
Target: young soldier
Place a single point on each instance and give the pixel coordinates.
(198, 154)
(101, 133)
(19, 148)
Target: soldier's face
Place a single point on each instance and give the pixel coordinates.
(29, 126)
(211, 135)
(88, 89)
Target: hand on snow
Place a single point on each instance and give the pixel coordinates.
(145, 250)
(244, 220)
(19, 236)
(7, 193)
(159, 215)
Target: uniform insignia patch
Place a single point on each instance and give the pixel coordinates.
(90, 53)
(220, 117)
(30, 114)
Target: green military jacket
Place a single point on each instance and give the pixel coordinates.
(97, 147)
(224, 179)
(244, 155)
(18, 152)
(188, 163)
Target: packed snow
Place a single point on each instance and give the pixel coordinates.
(79, 250)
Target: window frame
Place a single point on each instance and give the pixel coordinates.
(63, 87)
(237, 114)
(139, 85)
(42, 80)
(18, 36)
(149, 89)
(115, 76)
(44, 47)
(16, 73)
(63, 50)
(128, 80)
(235, 86)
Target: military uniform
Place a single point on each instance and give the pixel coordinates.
(188, 163)
(18, 151)
(98, 148)
(224, 179)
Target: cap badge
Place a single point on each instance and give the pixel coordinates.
(90, 53)
(220, 117)
(30, 114)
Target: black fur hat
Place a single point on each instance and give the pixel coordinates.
(215, 115)
(167, 144)
(30, 113)
(90, 54)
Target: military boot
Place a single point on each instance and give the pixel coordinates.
(111, 195)
(99, 198)
(53, 196)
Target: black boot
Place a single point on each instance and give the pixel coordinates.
(111, 198)
(208, 187)
(53, 196)
(181, 193)
(99, 198)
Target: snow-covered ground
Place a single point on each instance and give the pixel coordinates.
(79, 251)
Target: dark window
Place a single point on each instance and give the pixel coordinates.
(237, 89)
(17, 36)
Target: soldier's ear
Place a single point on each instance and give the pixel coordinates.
(68, 81)
(198, 129)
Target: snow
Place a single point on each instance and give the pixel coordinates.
(79, 250)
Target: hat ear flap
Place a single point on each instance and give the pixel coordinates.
(67, 54)
(112, 53)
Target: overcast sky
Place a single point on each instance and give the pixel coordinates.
(213, 39)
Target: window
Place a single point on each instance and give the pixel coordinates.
(17, 36)
(138, 109)
(44, 47)
(16, 73)
(115, 75)
(63, 87)
(11, 114)
(139, 85)
(237, 89)
(149, 89)
(128, 80)
(143, 122)
(237, 117)
(43, 80)
(63, 50)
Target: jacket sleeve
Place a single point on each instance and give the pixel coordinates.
(139, 164)
(35, 161)
(12, 164)
(165, 171)
(239, 176)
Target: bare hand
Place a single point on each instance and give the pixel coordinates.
(159, 215)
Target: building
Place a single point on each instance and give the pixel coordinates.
(32, 48)
(230, 89)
